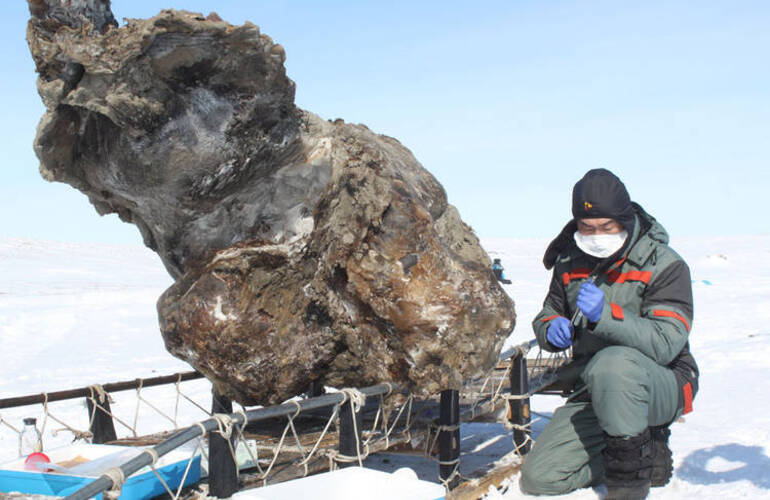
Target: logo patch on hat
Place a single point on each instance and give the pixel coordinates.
(587, 205)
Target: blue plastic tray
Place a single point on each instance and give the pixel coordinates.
(145, 484)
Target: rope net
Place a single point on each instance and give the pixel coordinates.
(140, 417)
(294, 449)
(410, 423)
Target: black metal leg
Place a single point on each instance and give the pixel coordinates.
(102, 427)
(350, 432)
(449, 438)
(316, 389)
(519, 415)
(223, 472)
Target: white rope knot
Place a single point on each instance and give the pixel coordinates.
(241, 412)
(357, 398)
(519, 448)
(447, 428)
(526, 429)
(224, 425)
(153, 455)
(200, 426)
(101, 393)
(455, 473)
(520, 427)
(84, 435)
(335, 457)
(297, 406)
(118, 478)
(340, 457)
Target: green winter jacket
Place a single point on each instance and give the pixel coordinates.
(648, 301)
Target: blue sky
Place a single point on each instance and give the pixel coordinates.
(507, 103)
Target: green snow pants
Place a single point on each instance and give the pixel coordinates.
(629, 392)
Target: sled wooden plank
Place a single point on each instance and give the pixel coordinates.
(480, 481)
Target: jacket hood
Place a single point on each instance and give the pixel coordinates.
(648, 228)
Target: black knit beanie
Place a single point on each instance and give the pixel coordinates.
(600, 194)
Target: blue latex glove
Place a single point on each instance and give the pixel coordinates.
(559, 332)
(590, 300)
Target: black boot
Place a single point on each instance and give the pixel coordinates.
(662, 461)
(627, 466)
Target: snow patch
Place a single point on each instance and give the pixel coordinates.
(719, 464)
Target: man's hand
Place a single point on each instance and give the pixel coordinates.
(590, 300)
(559, 332)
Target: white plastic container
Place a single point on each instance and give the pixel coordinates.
(30, 440)
(351, 483)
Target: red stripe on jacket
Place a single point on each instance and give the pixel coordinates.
(687, 389)
(671, 314)
(617, 311)
(643, 276)
(549, 318)
(577, 273)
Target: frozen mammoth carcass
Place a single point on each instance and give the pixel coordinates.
(389, 285)
(303, 250)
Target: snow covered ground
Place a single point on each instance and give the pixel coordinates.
(72, 315)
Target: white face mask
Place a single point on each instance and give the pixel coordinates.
(600, 245)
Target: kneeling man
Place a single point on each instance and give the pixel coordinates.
(622, 300)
